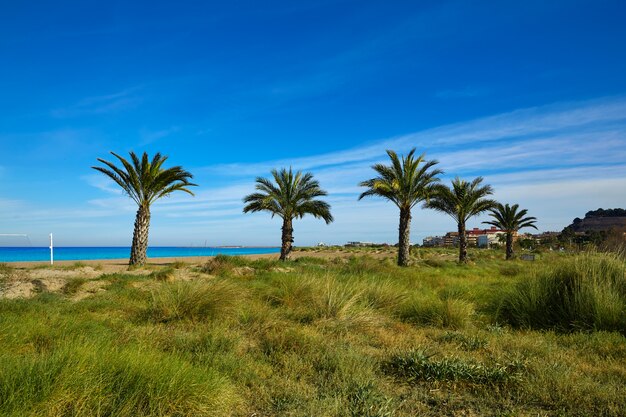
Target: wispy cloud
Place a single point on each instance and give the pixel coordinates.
(559, 161)
(577, 132)
(542, 157)
(102, 104)
(150, 136)
(103, 183)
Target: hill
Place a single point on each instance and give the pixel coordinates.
(600, 220)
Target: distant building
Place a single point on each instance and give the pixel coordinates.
(433, 241)
(359, 244)
(484, 238)
(451, 239)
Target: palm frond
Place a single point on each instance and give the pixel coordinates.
(146, 181)
(405, 182)
(290, 195)
(509, 219)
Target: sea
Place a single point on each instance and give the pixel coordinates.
(28, 254)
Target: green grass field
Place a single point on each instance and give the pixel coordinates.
(352, 335)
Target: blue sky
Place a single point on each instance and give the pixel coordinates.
(530, 95)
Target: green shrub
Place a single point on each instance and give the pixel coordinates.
(587, 292)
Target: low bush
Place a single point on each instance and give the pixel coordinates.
(220, 264)
(587, 292)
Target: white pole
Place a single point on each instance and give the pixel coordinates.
(51, 251)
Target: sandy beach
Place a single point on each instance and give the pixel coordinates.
(115, 265)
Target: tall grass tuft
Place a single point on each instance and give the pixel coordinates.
(220, 264)
(89, 379)
(336, 300)
(192, 300)
(587, 292)
(432, 311)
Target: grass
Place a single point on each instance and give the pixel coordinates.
(348, 336)
(192, 300)
(415, 366)
(584, 293)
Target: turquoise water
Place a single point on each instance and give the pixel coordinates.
(93, 253)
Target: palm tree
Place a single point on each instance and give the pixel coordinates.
(406, 182)
(290, 196)
(510, 220)
(462, 201)
(145, 182)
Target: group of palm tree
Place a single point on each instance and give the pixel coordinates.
(290, 195)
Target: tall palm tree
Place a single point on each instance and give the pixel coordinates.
(145, 182)
(510, 220)
(290, 196)
(462, 201)
(406, 182)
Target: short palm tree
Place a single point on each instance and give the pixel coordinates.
(406, 182)
(290, 196)
(510, 220)
(462, 201)
(145, 182)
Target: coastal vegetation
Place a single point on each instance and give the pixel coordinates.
(332, 333)
(408, 181)
(290, 196)
(145, 181)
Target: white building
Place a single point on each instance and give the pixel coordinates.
(487, 239)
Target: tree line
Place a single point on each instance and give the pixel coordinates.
(406, 181)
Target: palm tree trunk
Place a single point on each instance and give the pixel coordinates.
(287, 239)
(462, 244)
(509, 245)
(404, 237)
(140, 237)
